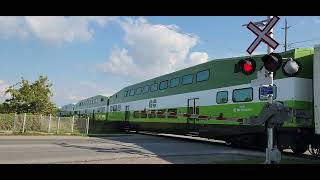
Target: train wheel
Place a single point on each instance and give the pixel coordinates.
(299, 147)
(315, 151)
(281, 148)
(228, 143)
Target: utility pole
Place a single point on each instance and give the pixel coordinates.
(286, 27)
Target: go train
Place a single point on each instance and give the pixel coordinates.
(216, 100)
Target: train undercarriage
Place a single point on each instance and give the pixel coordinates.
(297, 139)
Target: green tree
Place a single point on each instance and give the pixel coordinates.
(31, 98)
(2, 108)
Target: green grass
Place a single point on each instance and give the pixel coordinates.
(38, 134)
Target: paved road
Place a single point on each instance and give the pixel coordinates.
(123, 149)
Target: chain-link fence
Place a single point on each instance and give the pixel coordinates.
(29, 123)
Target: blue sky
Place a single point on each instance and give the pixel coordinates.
(85, 56)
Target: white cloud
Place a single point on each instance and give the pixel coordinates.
(51, 29)
(96, 88)
(3, 87)
(75, 98)
(119, 63)
(152, 50)
(74, 91)
(11, 26)
(199, 57)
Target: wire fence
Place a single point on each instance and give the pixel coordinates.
(29, 123)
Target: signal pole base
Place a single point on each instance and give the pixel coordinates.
(273, 156)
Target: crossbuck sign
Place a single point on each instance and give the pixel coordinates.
(263, 35)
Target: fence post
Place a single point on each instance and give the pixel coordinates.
(72, 124)
(40, 121)
(24, 122)
(88, 125)
(58, 125)
(14, 122)
(49, 124)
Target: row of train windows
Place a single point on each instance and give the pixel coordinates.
(87, 102)
(175, 82)
(238, 95)
(241, 95)
(115, 108)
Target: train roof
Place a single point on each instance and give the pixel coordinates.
(221, 74)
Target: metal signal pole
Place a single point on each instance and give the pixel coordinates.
(270, 100)
(272, 153)
(270, 50)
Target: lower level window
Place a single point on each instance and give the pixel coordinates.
(242, 95)
(222, 97)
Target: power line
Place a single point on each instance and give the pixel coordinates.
(305, 41)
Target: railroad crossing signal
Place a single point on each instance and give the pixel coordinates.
(246, 66)
(263, 35)
(272, 62)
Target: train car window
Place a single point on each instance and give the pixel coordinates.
(163, 85)
(119, 107)
(161, 113)
(136, 114)
(144, 114)
(154, 87)
(203, 75)
(242, 95)
(152, 114)
(146, 89)
(262, 98)
(187, 79)
(172, 113)
(139, 91)
(125, 93)
(131, 92)
(174, 82)
(222, 97)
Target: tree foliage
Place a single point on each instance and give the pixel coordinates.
(31, 98)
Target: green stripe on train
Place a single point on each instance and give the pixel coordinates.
(237, 111)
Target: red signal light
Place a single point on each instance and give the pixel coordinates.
(247, 66)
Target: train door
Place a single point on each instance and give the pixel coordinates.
(192, 109)
(126, 119)
(127, 114)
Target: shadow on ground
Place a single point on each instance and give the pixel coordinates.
(171, 150)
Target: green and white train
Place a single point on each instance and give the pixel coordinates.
(215, 100)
